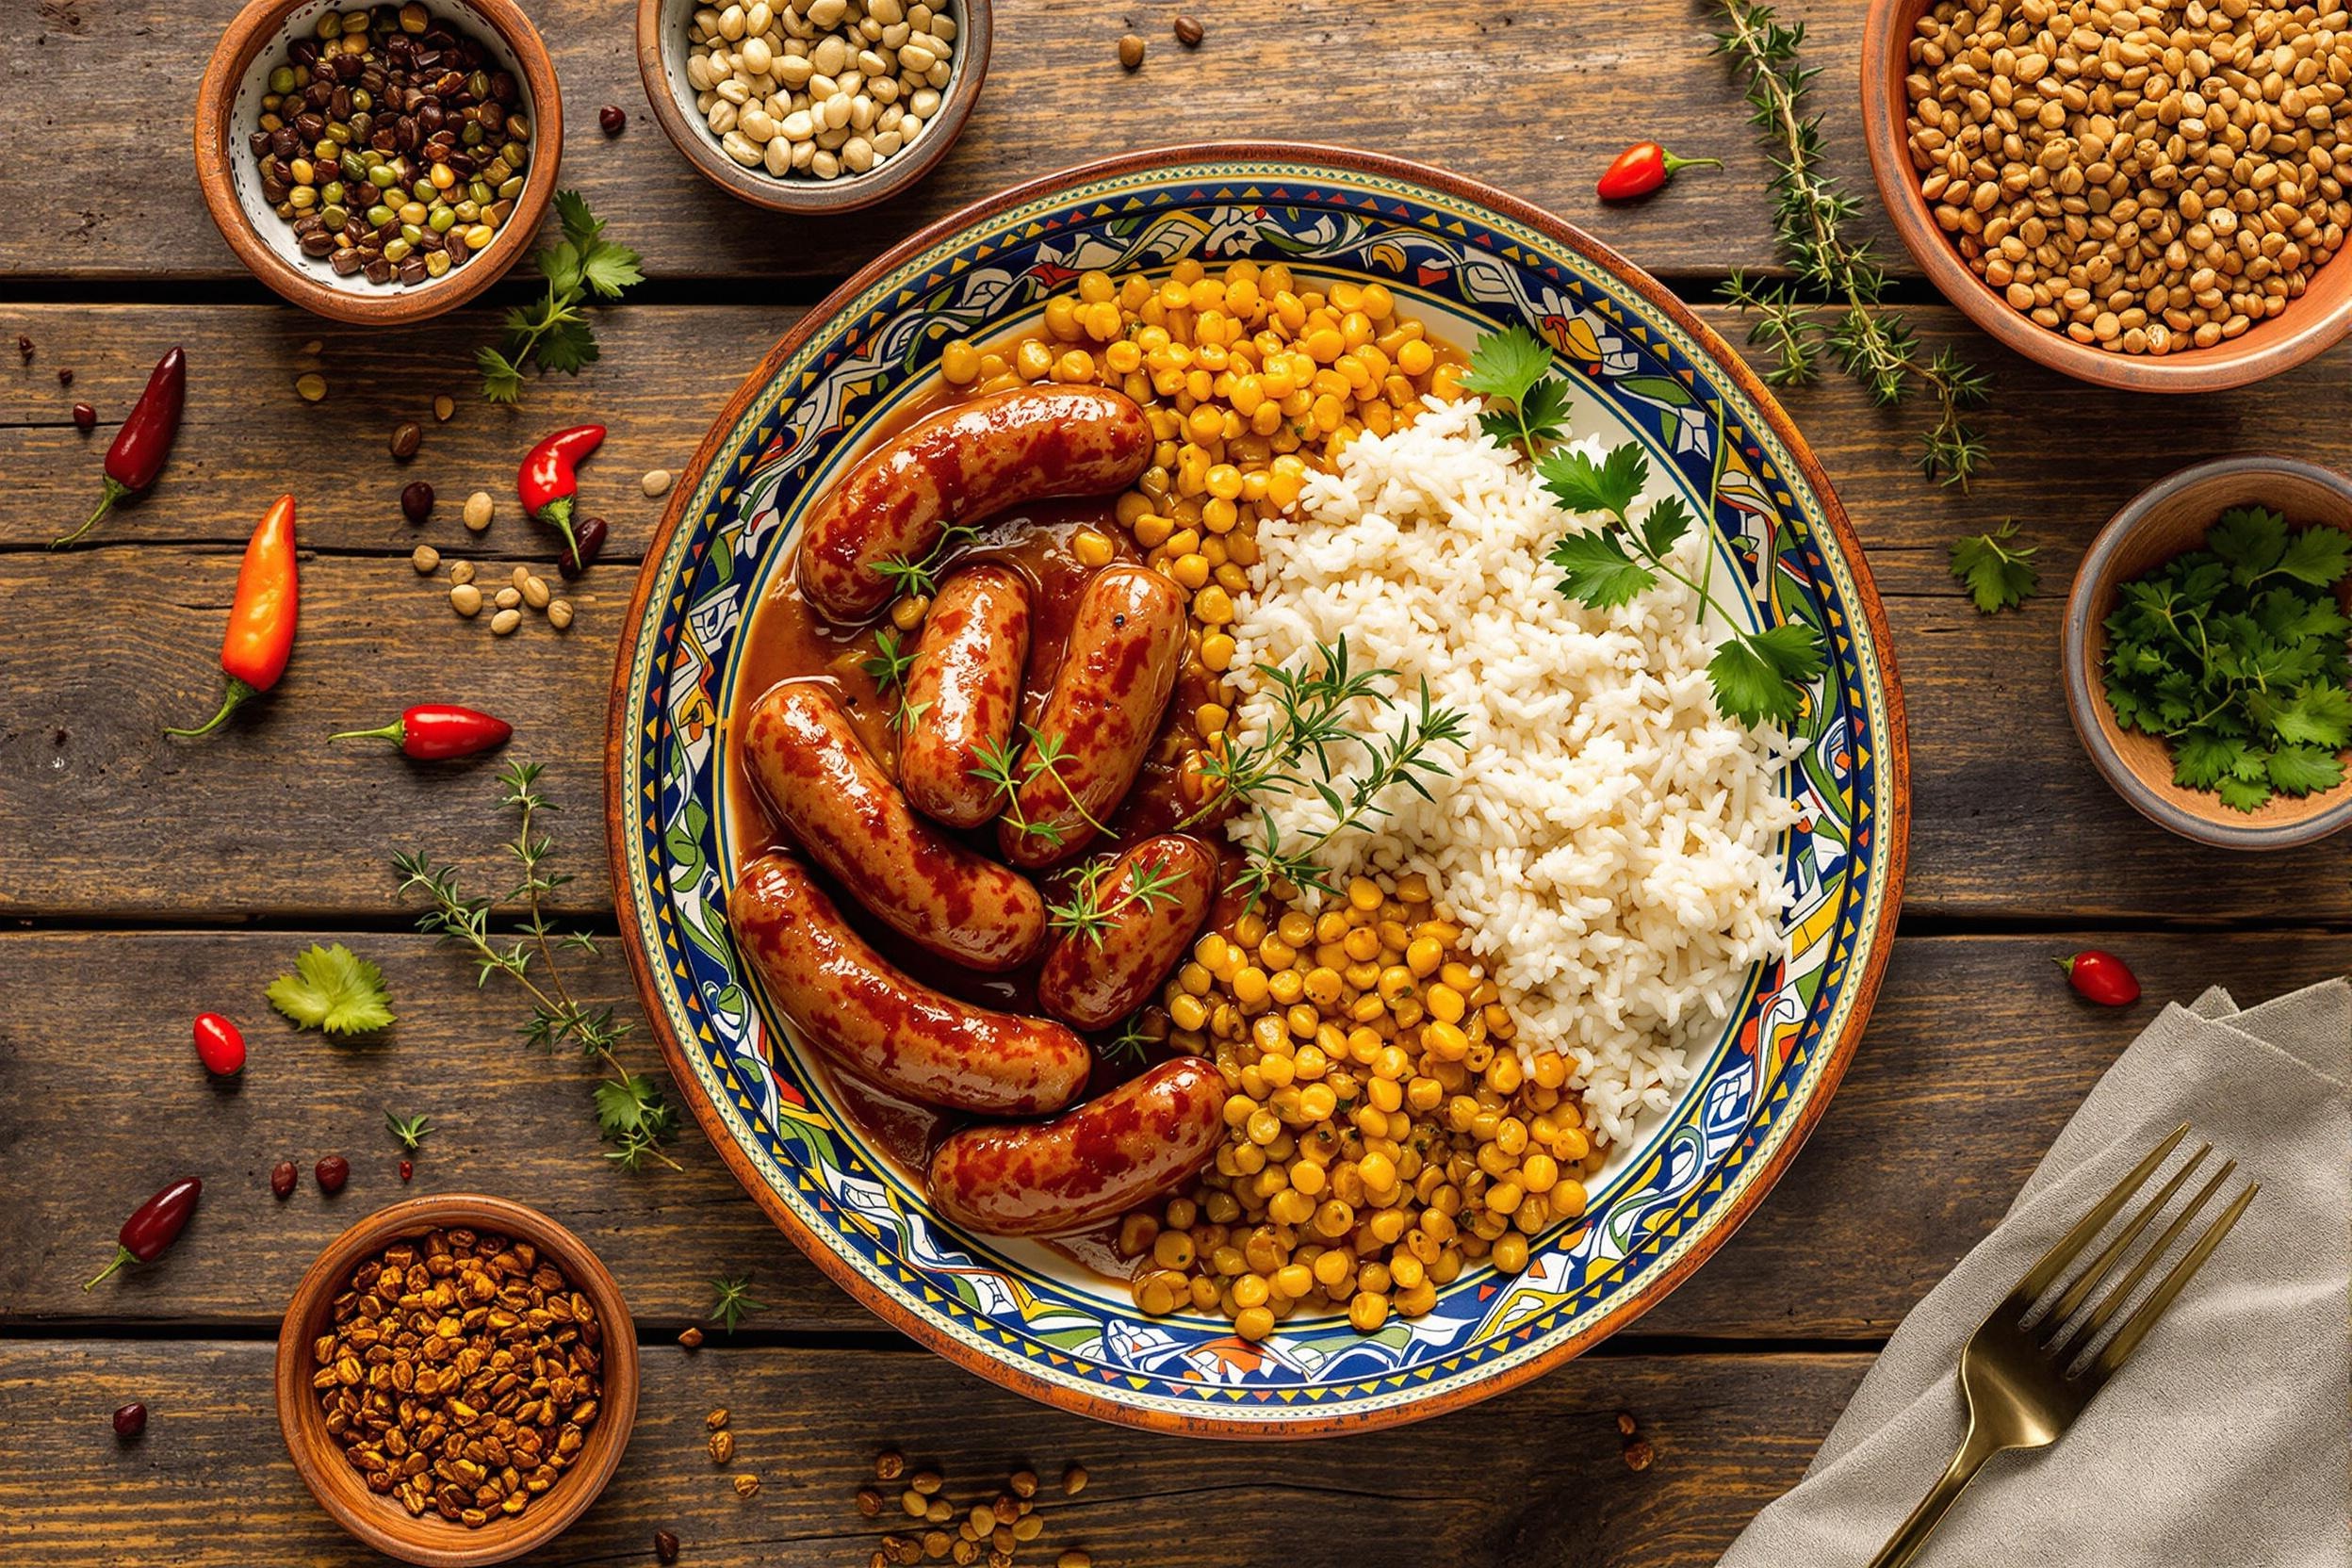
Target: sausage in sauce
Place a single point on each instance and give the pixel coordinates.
(1094, 977)
(964, 693)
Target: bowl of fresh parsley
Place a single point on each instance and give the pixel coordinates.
(2208, 652)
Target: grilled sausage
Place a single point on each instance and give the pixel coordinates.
(1094, 977)
(964, 692)
(845, 999)
(831, 796)
(959, 466)
(1111, 1153)
(1126, 641)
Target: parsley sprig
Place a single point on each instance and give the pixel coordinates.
(1872, 343)
(334, 991)
(1997, 574)
(1757, 676)
(2235, 654)
(554, 334)
(630, 1109)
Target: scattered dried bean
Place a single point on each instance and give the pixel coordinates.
(425, 559)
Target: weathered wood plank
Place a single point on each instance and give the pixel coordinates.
(1534, 98)
(1536, 1476)
(1976, 1057)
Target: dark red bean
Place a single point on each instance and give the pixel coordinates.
(592, 532)
(25, 346)
(130, 1420)
(85, 417)
(612, 118)
(665, 1542)
(407, 436)
(65, 375)
(281, 1178)
(417, 501)
(408, 1169)
(331, 1172)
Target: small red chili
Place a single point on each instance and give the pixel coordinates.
(331, 1173)
(548, 481)
(153, 1226)
(220, 1045)
(434, 731)
(1643, 168)
(2101, 976)
(130, 1420)
(144, 440)
(261, 618)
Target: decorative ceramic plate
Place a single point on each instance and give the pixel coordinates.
(1467, 260)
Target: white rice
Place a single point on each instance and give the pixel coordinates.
(1608, 841)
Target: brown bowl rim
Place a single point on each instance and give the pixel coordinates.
(258, 26)
(2192, 814)
(1894, 827)
(2265, 350)
(381, 1523)
(975, 40)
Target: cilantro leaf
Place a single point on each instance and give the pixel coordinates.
(609, 268)
(568, 345)
(2301, 770)
(1997, 575)
(1664, 524)
(2240, 795)
(2250, 539)
(2316, 715)
(1507, 363)
(2319, 555)
(554, 335)
(1760, 676)
(2204, 760)
(580, 226)
(501, 383)
(559, 264)
(1597, 571)
(1580, 485)
(334, 990)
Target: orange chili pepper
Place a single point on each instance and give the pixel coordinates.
(261, 621)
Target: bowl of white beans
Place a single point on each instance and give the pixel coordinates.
(812, 106)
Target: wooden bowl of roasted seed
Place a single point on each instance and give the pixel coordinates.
(2150, 206)
(456, 1380)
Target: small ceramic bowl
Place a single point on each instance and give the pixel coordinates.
(383, 1521)
(662, 50)
(228, 108)
(2306, 327)
(2164, 520)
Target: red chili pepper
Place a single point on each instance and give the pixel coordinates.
(153, 1225)
(547, 481)
(144, 442)
(220, 1045)
(2101, 976)
(1644, 168)
(261, 620)
(432, 731)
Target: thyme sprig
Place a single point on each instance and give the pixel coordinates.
(1129, 1044)
(1008, 766)
(920, 579)
(889, 665)
(630, 1109)
(1087, 912)
(1312, 708)
(1872, 344)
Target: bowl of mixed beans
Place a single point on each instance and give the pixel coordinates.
(379, 163)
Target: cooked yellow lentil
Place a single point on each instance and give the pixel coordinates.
(1250, 377)
(1381, 1131)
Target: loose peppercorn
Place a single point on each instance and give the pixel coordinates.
(331, 1173)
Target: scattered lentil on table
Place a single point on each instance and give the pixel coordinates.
(391, 142)
(819, 88)
(461, 1374)
(2145, 179)
(310, 386)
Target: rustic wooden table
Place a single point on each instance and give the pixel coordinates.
(145, 880)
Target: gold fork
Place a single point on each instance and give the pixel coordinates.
(2020, 1391)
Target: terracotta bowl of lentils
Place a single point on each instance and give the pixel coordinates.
(2142, 196)
(814, 105)
(379, 163)
(456, 1380)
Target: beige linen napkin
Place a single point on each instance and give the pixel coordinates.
(2225, 1442)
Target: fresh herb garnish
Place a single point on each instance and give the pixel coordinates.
(2235, 654)
(410, 1131)
(920, 579)
(1311, 718)
(889, 666)
(1757, 676)
(731, 1301)
(1525, 405)
(1008, 766)
(555, 334)
(631, 1110)
(1088, 913)
(1997, 575)
(1871, 342)
(1128, 1045)
(334, 990)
